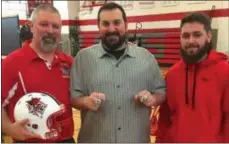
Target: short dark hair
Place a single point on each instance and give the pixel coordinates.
(111, 6)
(197, 17)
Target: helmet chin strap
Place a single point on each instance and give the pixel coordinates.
(22, 82)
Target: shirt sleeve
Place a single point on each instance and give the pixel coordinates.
(158, 80)
(70, 60)
(76, 77)
(9, 81)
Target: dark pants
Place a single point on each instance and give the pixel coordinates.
(71, 140)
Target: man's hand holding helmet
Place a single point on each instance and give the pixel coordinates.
(19, 131)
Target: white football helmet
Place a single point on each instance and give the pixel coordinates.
(44, 113)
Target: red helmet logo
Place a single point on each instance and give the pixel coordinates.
(36, 107)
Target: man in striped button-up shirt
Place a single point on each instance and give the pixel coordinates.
(114, 84)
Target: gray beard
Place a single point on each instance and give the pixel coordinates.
(47, 48)
(48, 44)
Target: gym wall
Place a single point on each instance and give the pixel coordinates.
(158, 15)
(165, 14)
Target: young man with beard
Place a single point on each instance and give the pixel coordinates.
(43, 69)
(197, 108)
(114, 84)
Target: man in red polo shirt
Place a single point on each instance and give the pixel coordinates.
(43, 69)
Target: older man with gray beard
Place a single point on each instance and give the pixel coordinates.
(38, 67)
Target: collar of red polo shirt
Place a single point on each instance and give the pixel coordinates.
(33, 55)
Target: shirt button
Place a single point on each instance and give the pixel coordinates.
(119, 128)
(118, 86)
(119, 107)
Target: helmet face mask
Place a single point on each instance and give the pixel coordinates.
(44, 112)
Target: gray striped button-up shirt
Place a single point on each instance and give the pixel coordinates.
(120, 118)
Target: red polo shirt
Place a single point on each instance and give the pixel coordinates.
(37, 77)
